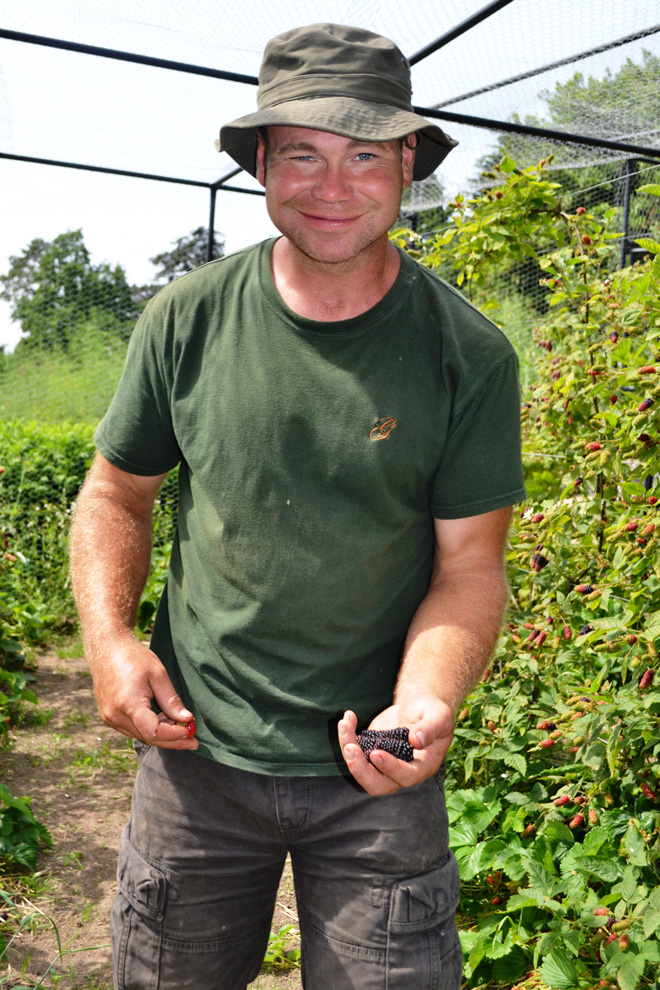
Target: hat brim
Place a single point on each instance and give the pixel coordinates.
(358, 119)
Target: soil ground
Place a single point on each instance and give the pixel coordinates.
(78, 774)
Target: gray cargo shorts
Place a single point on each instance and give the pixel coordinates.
(201, 859)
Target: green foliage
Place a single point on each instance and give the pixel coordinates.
(21, 834)
(44, 468)
(55, 291)
(554, 784)
(278, 954)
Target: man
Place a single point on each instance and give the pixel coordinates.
(346, 429)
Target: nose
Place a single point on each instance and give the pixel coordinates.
(332, 185)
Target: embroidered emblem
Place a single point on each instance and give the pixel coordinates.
(383, 428)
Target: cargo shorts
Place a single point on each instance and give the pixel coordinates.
(201, 859)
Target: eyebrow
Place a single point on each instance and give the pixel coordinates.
(307, 146)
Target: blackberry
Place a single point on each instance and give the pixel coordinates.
(394, 741)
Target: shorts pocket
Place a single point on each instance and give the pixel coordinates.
(136, 919)
(423, 948)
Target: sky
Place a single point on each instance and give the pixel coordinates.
(86, 109)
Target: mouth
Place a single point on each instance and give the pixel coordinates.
(328, 223)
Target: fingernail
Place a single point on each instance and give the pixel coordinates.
(343, 729)
(421, 739)
(377, 759)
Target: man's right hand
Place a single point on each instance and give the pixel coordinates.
(125, 681)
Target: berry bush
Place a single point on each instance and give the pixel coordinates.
(554, 777)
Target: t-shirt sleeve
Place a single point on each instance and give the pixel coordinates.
(481, 465)
(137, 434)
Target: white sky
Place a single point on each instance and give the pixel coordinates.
(99, 111)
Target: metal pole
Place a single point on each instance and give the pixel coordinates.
(629, 168)
(209, 245)
(460, 29)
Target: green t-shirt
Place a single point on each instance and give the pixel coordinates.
(313, 457)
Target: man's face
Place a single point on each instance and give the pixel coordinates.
(333, 197)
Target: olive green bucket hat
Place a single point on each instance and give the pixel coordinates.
(340, 79)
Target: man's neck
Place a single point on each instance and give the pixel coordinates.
(333, 291)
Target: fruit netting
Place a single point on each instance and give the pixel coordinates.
(79, 294)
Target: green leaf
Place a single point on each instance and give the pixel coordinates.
(559, 972)
(651, 187)
(648, 244)
(631, 972)
(635, 847)
(651, 922)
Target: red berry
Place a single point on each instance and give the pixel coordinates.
(586, 239)
(539, 562)
(644, 405)
(624, 942)
(601, 911)
(492, 726)
(594, 445)
(580, 210)
(632, 639)
(613, 399)
(592, 371)
(648, 369)
(576, 821)
(653, 499)
(593, 816)
(562, 800)
(584, 589)
(190, 726)
(546, 743)
(614, 336)
(577, 482)
(632, 526)
(528, 830)
(496, 900)
(541, 638)
(646, 680)
(568, 632)
(537, 517)
(648, 792)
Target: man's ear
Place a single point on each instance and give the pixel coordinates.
(260, 172)
(408, 158)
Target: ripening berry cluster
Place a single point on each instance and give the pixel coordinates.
(394, 741)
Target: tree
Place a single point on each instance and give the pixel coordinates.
(621, 106)
(188, 252)
(55, 291)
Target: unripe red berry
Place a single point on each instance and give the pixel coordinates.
(594, 445)
(576, 821)
(580, 210)
(586, 239)
(644, 405)
(584, 589)
(653, 499)
(562, 800)
(568, 632)
(601, 911)
(648, 369)
(537, 517)
(632, 525)
(646, 680)
(546, 743)
(593, 816)
(624, 942)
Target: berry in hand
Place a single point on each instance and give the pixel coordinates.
(394, 741)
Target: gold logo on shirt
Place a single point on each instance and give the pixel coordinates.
(383, 428)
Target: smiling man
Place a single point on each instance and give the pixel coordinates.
(346, 429)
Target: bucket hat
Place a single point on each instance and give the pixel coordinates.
(346, 80)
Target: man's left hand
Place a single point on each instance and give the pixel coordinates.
(431, 728)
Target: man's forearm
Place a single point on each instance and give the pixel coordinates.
(110, 547)
(452, 635)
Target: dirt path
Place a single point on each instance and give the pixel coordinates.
(79, 774)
